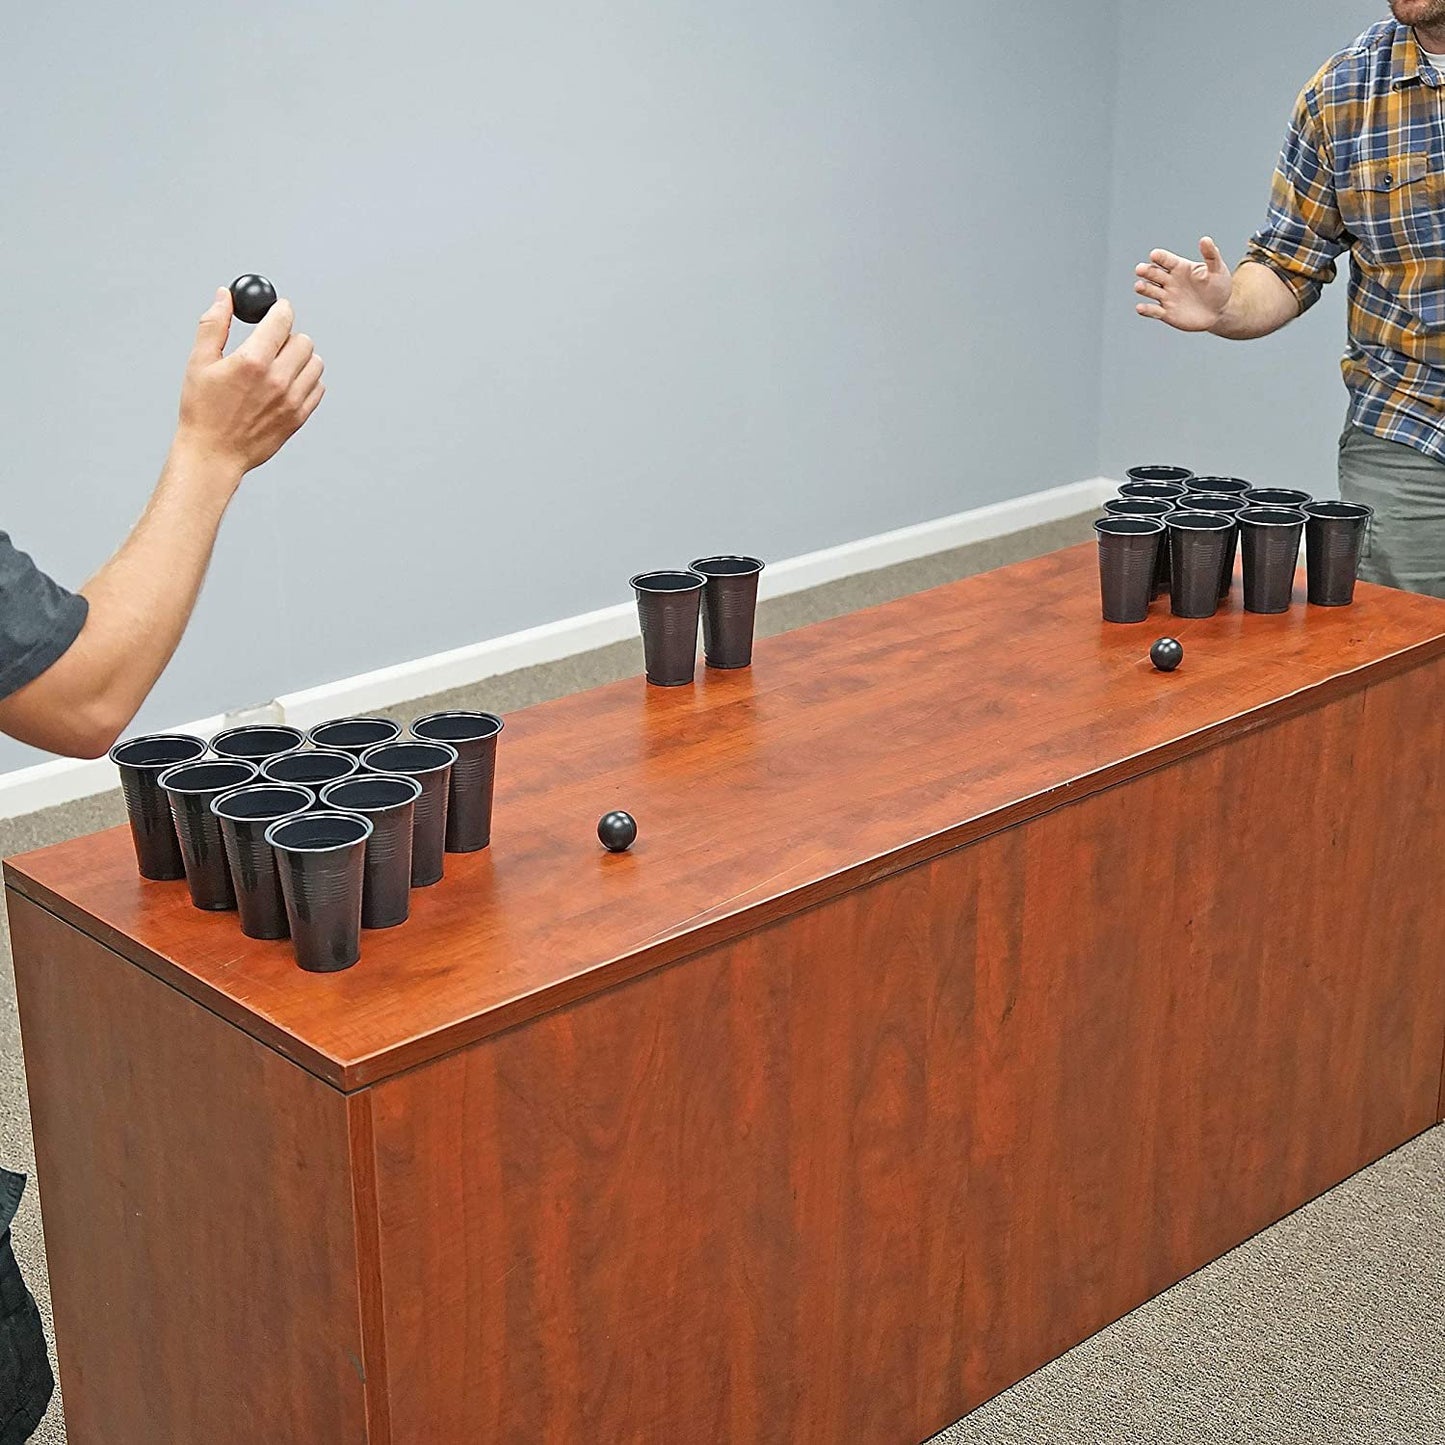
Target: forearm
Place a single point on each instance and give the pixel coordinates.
(1259, 304)
(140, 603)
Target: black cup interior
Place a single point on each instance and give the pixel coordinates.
(1128, 526)
(1209, 502)
(667, 582)
(1159, 473)
(313, 767)
(1222, 486)
(354, 732)
(1277, 497)
(317, 832)
(369, 795)
(209, 777)
(262, 802)
(1273, 516)
(727, 566)
(1338, 511)
(1138, 507)
(1199, 521)
(257, 742)
(157, 752)
(407, 758)
(457, 727)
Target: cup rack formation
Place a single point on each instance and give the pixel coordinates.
(1170, 530)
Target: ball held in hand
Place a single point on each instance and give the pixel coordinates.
(617, 831)
(1166, 654)
(252, 297)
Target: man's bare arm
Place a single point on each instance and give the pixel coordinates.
(1205, 296)
(236, 413)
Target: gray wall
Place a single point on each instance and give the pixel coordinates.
(599, 286)
(1198, 127)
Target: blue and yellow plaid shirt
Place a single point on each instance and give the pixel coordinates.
(1363, 171)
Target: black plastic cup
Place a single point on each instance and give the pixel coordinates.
(1334, 534)
(256, 741)
(668, 604)
(321, 858)
(141, 761)
(1147, 507)
(354, 734)
(1221, 486)
(1276, 497)
(190, 787)
(431, 765)
(474, 774)
(389, 800)
(729, 609)
(1269, 539)
(1198, 545)
(1227, 505)
(1128, 556)
(312, 769)
(1161, 472)
(245, 813)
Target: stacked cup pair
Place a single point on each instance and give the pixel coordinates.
(723, 591)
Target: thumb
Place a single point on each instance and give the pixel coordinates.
(214, 328)
(1212, 259)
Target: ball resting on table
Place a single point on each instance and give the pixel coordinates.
(1166, 654)
(617, 831)
(252, 297)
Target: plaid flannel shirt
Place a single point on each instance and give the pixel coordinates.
(1363, 171)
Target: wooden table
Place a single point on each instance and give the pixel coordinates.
(970, 983)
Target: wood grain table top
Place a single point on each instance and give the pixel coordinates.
(850, 750)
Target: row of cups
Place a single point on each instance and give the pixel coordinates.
(312, 835)
(724, 590)
(1170, 530)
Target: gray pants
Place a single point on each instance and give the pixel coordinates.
(1405, 547)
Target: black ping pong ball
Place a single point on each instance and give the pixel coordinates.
(617, 831)
(252, 297)
(1166, 654)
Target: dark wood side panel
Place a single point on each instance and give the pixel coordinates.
(197, 1211)
(1201, 1001)
(845, 1178)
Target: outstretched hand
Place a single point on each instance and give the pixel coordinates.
(241, 409)
(1187, 295)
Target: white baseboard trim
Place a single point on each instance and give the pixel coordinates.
(27, 790)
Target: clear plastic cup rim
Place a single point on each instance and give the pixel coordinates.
(263, 784)
(451, 757)
(494, 726)
(693, 581)
(167, 778)
(358, 778)
(329, 815)
(115, 753)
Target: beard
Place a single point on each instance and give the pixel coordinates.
(1427, 13)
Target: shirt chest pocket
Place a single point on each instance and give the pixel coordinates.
(1391, 206)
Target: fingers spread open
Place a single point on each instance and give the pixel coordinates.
(1149, 289)
(1167, 259)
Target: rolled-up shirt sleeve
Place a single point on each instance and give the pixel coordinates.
(1303, 234)
(39, 619)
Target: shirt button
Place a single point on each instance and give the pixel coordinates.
(1388, 180)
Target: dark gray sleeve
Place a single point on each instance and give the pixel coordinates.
(39, 619)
